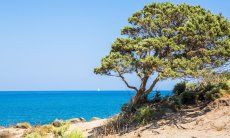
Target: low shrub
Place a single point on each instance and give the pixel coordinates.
(142, 114)
(225, 86)
(157, 97)
(189, 97)
(191, 93)
(39, 131)
(179, 88)
(174, 102)
(213, 94)
(60, 131)
(192, 87)
(74, 134)
(33, 135)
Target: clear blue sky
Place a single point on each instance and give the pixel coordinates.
(55, 44)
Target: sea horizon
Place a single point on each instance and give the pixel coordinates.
(75, 90)
(42, 107)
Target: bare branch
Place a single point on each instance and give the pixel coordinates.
(112, 75)
(123, 79)
(127, 84)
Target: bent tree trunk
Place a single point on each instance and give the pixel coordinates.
(136, 99)
(142, 94)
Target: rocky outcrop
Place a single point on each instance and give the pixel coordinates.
(82, 119)
(76, 120)
(94, 118)
(23, 125)
(57, 123)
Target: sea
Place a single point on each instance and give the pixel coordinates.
(42, 107)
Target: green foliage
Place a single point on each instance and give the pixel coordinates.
(150, 111)
(225, 86)
(143, 114)
(213, 94)
(179, 88)
(207, 90)
(157, 97)
(39, 131)
(33, 135)
(211, 78)
(170, 41)
(60, 131)
(74, 134)
(189, 98)
(174, 101)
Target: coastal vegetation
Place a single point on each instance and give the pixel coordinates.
(186, 96)
(52, 130)
(167, 41)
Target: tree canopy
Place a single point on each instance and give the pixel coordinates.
(168, 41)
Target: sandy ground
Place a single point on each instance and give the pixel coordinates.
(87, 127)
(214, 124)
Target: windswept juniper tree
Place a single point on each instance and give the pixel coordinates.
(167, 41)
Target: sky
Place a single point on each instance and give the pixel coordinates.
(55, 44)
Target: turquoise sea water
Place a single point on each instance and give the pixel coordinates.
(46, 106)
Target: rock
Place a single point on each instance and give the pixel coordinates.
(94, 118)
(23, 125)
(82, 119)
(75, 120)
(57, 123)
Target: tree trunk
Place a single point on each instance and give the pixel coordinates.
(137, 98)
(142, 94)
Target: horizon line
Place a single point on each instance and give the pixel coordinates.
(69, 90)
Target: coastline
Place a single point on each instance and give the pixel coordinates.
(215, 123)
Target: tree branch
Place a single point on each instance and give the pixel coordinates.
(152, 85)
(127, 84)
(112, 75)
(123, 79)
(138, 74)
(144, 82)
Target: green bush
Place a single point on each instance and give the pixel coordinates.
(191, 87)
(157, 97)
(179, 88)
(189, 97)
(213, 94)
(74, 134)
(144, 113)
(174, 101)
(224, 86)
(60, 131)
(33, 135)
